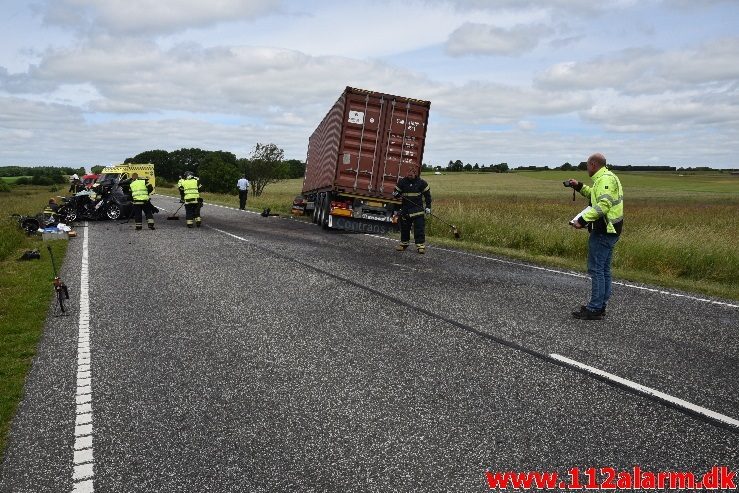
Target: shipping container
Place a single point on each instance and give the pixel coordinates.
(357, 154)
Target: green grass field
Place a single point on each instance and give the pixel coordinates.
(12, 179)
(25, 293)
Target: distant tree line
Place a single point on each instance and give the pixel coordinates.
(219, 170)
(584, 165)
(39, 175)
(456, 166)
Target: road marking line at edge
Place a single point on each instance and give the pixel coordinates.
(545, 269)
(83, 461)
(642, 389)
(571, 274)
(677, 403)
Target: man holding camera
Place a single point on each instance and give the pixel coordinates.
(604, 220)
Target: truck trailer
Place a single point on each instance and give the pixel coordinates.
(362, 147)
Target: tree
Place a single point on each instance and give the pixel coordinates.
(583, 166)
(566, 167)
(217, 175)
(157, 157)
(456, 165)
(294, 168)
(96, 169)
(265, 166)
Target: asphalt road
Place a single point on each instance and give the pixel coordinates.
(263, 354)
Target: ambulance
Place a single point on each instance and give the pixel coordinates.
(113, 174)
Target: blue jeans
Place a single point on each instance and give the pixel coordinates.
(600, 253)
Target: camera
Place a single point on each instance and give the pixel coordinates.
(566, 183)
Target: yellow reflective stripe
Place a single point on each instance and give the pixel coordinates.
(426, 189)
(415, 214)
(412, 194)
(610, 199)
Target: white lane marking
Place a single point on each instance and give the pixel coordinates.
(545, 269)
(83, 458)
(211, 205)
(83, 487)
(229, 234)
(642, 389)
(571, 274)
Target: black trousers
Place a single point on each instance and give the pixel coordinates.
(144, 207)
(192, 212)
(419, 229)
(242, 198)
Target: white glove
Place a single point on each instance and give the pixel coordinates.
(428, 210)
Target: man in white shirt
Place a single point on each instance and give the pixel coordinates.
(243, 186)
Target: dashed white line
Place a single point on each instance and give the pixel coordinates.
(638, 388)
(545, 269)
(83, 470)
(642, 389)
(574, 274)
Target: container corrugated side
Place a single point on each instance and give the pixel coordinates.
(365, 143)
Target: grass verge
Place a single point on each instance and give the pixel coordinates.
(25, 293)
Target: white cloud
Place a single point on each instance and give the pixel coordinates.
(671, 114)
(483, 39)
(648, 71)
(137, 76)
(489, 103)
(585, 7)
(635, 80)
(144, 16)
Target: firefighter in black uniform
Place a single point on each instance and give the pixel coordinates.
(414, 190)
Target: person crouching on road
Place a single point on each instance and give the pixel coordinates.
(604, 219)
(190, 188)
(413, 190)
(140, 191)
(51, 212)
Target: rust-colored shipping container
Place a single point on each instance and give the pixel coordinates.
(366, 142)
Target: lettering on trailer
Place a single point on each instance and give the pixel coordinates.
(372, 217)
(360, 227)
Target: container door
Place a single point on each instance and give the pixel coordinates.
(403, 138)
(359, 151)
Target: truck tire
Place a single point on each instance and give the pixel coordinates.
(320, 209)
(316, 208)
(325, 209)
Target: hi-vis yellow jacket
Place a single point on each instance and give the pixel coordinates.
(606, 212)
(139, 191)
(191, 189)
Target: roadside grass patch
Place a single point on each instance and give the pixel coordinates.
(25, 293)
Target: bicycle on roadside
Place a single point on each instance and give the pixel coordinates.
(61, 293)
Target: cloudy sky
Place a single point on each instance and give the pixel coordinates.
(85, 82)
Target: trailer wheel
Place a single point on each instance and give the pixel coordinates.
(320, 208)
(314, 215)
(325, 209)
